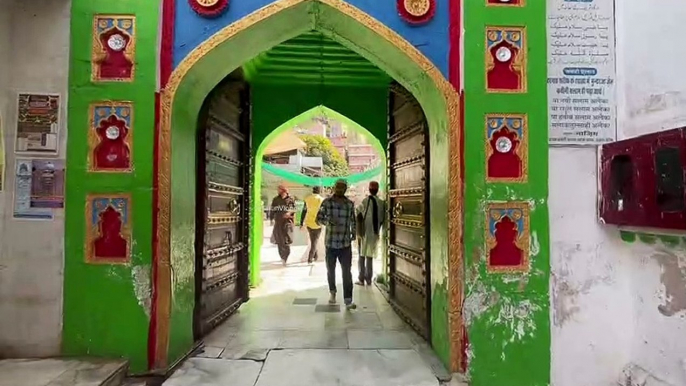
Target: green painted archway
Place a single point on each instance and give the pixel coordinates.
(256, 235)
(198, 74)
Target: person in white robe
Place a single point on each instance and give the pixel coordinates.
(372, 213)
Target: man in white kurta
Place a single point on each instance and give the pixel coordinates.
(372, 211)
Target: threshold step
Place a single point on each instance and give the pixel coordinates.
(62, 372)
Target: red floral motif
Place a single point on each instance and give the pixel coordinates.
(414, 19)
(506, 253)
(110, 244)
(115, 64)
(112, 153)
(503, 75)
(209, 11)
(508, 164)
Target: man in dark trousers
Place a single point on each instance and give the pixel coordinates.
(337, 214)
(281, 216)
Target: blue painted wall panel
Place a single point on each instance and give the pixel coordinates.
(431, 39)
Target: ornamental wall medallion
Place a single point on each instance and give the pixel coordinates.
(416, 12)
(209, 8)
(505, 59)
(506, 148)
(114, 43)
(110, 137)
(507, 237)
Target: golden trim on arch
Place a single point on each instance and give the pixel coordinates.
(450, 95)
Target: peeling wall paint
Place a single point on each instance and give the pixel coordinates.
(141, 286)
(673, 278)
(635, 375)
(516, 317)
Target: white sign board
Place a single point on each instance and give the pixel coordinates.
(581, 72)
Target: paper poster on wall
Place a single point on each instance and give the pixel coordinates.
(38, 121)
(39, 188)
(581, 72)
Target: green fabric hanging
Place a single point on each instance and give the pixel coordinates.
(300, 178)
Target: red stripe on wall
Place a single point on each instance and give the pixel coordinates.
(152, 329)
(454, 34)
(167, 44)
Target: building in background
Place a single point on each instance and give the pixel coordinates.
(362, 157)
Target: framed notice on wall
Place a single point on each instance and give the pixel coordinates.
(38, 122)
(39, 188)
(581, 72)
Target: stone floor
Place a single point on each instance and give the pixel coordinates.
(61, 372)
(287, 334)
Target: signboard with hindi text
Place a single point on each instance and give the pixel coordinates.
(581, 72)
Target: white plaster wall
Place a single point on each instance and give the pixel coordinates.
(607, 324)
(653, 98)
(590, 281)
(34, 56)
(650, 66)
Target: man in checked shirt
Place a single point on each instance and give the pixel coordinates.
(337, 214)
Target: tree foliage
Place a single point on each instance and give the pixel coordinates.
(318, 146)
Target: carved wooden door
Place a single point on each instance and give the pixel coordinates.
(408, 229)
(223, 208)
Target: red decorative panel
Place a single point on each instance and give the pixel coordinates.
(642, 181)
(110, 137)
(505, 3)
(209, 8)
(506, 148)
(416, 11)
(505, 59)
(108, 229)
(507, 237)
(114, 44)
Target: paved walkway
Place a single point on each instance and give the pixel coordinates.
(287, 335)
(61, 372)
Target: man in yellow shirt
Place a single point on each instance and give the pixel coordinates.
(309, 218)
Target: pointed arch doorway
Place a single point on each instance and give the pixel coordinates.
(197, 75)
(321, 110)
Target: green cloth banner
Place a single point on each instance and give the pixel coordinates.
(320, 181)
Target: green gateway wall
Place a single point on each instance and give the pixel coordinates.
(106, 307)
(507, 316)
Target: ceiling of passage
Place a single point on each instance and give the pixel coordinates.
(312, 58)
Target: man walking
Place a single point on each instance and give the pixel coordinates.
(371, 213)
(309, 217)
(337, 213)
(281, 216)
